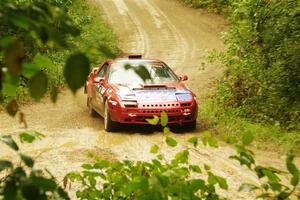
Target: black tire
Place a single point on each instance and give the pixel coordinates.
(190, 126)
(177, 128)
(92, 112)
(109, 125)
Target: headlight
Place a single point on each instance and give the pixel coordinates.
(184, 96)
(127, 97)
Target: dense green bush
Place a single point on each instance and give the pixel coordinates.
(263, 59)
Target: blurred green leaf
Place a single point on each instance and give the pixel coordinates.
(10, 189)
(247, 138)
(206, 167)
(73, 176)
(244, 158)
(87, 166)
(30, 191)
(293, 170)
(212, 179)
(7, 40)
(38, 135)
(101, 164)
(222, 183)
(196, 184)
(29, 162)
(194, 141)
(38, 85)
(54, 94)
(42, 61)
(171, 141)
(10, 85)
(231, 140)
(291, 166)
(295, 180)
(63, 194)
(20, 20)
(12, 108)
(163, 180)
(154, 149)
(164, 119)
(141, 71)
(182, 157)
(195, 168)
(153, 121)
(7, 139)
(5, 164)
(26, 137)
(29, 69)
(166, 130)
(213, 142)
(138, 183)
(44, 183)
(76, 70)
(209, 140)
(248, 187)
(13, 56)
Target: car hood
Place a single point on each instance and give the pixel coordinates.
(152, 92)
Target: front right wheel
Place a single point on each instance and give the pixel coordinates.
(184, 127)
(190, 126)
(109, 125)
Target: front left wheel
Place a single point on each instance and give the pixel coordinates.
(109, 125)
(92, 112)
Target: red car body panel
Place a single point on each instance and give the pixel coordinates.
(152, 98)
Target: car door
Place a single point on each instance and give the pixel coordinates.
(99, 89)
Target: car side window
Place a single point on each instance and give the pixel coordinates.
(103, 70)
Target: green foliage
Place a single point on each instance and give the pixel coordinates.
(171, 141)
(231, 127)
(208, 139)
(153, 121)
(76, 70)
(23, 181)
(272, 187)
(263, 51)
(147, 180)
(176, 179)
(30, 137)
(37, 38)
(194, 141)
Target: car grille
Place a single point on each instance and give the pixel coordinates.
(159, 105)
(160, 111)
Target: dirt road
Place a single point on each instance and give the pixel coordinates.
(155, 28)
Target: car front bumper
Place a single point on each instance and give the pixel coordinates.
(178, 112)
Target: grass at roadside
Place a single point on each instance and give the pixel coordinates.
(267, 137)
(215, 6)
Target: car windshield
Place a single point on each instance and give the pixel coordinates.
(140, 73)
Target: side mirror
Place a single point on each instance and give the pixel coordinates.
(183, 77)
(94, 70)
(99, 80)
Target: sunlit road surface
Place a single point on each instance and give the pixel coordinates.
(162, 29)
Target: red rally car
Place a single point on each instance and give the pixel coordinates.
(131, 90)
